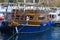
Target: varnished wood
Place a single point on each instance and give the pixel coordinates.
(33, 13)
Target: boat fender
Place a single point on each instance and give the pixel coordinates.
(49, 23)
(4, 23)
(42, 24)
(52, 22)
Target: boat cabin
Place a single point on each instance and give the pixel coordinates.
(32, 17)
(17, 14)
(36, 16)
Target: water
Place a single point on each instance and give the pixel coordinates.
(51, 34)
(4, 36)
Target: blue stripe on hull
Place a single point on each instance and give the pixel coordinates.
(26, 29)
(32, 29)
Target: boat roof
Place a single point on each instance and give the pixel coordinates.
(30, 8)
(10, 8)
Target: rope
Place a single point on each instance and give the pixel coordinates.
(16, 26)
(24, 32)
(16, 32)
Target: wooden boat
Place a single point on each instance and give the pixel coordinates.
(30, 20)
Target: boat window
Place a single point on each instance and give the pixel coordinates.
(54, 8)
(58, 14)
(11, 4)
(29, 1)
(41, 18)
(12, 1)
(36, 1)
(20, 0)
(21, 4)
(51, 16)
(31, 17)
(4, 5)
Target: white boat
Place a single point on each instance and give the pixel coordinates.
(55, 15)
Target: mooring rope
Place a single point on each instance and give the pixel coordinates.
(16, 32)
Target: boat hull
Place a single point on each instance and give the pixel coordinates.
(27, 28)
(32, 29)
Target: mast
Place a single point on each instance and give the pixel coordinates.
(6, 10)
(33, 1)
(17, 4)
(24, 4)
(7, 6)
(24, 9)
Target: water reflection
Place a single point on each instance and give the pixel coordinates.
(4, 36)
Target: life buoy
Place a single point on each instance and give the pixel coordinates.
(1, 18)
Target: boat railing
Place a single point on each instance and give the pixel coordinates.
(5, 4)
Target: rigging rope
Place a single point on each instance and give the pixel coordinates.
(6, 11)
(7, 6)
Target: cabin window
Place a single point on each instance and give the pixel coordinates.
(58, 14)
(12, 1)
(29, 1)
(32, 11)
(41, 18)
(21, 4)
(36, 1)
(31, 17)
(51, 16)
(20, 0)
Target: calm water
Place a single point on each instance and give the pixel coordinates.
(51, 34)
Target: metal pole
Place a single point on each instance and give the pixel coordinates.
(33, 1)
(24, 8)
(17, 3)
(39, 1)
(16, 29)
(6, 11)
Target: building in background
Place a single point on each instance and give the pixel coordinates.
(30, 1)
(50, 3)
